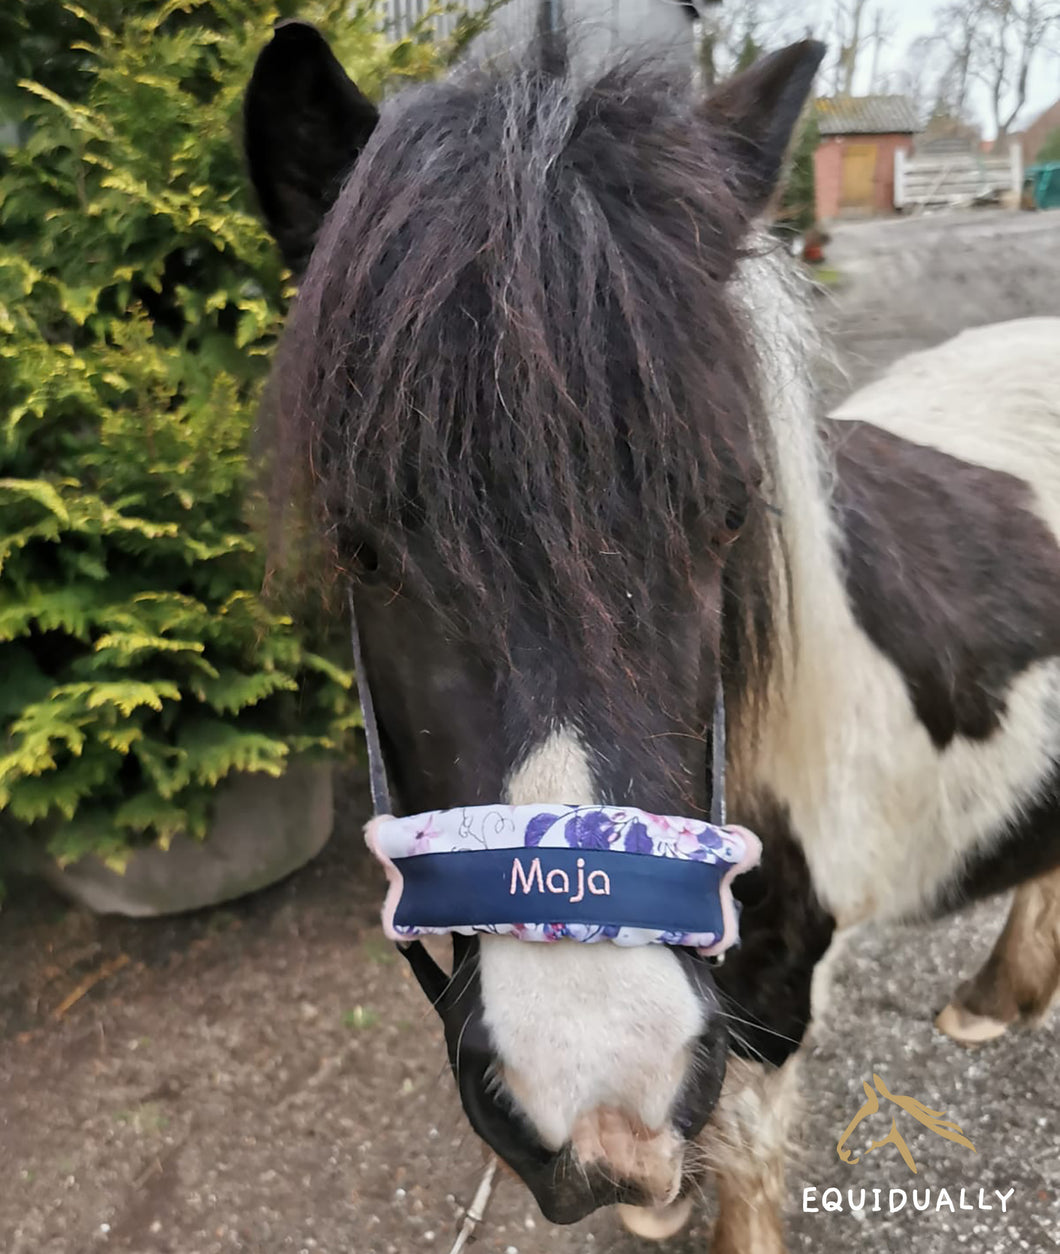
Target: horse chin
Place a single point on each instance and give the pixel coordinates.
(582, 1190)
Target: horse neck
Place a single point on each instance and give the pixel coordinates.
(817, 646)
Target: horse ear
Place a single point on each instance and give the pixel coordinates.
(304, 124)
(756, 112)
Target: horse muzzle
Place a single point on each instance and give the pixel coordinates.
(610, 1157)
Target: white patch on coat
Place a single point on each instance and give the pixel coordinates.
(988, 396)
(749, 1132)
(884, 818)
(593, 1040)
(823, 982)
(580, 1027)
(555, 770)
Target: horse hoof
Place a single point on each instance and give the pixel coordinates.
(656, 1223)
(966, 1028)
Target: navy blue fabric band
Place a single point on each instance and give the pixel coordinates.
(448, 890)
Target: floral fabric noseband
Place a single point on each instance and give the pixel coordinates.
(546, 873)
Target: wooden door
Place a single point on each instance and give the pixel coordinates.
(859, 176)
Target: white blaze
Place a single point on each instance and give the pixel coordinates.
(594, 1040)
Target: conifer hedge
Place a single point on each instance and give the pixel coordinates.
(140, 300)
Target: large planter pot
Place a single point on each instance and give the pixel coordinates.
(263, 829)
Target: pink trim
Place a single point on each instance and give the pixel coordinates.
(395, 881)
(731, 932)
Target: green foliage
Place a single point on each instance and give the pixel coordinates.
(42, 39)
(1050, 149)
(140, 300)
(798, 205)
(750, 51)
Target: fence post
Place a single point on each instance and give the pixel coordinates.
(1015, 154)
(899, 178)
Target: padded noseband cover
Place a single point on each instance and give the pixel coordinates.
(552, 872)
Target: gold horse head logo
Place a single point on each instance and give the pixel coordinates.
(934, 1120)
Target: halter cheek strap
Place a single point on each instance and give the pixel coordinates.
(377, 780)
(429, 975)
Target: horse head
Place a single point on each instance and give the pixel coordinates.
(519, 396)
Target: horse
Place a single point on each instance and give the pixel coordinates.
(546, 400)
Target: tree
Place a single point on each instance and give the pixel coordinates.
(744, 29)
(917, 77)
(996, 43)
(798, 209)
(1012, 34)
(849, 33)
(140, 299)
(738, 32)
(956, 35)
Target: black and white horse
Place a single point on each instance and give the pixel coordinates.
(550, 398)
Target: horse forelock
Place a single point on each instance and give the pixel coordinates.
(517, 340)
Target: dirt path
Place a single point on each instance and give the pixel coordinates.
(265, 1077)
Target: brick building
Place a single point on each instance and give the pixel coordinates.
(1038, 132)
(854, 163)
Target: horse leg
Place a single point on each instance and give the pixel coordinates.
(1020, 979)
(747, 1144)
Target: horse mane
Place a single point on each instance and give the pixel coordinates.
(516, 367)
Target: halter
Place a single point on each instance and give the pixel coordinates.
(677, 894)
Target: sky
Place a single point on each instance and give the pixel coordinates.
(907, 19)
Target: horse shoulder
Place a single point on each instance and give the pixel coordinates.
(951, 570)
(947, 496)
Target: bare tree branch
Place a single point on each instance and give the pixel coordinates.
(996, 43)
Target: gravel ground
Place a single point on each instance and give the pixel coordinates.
(909, 283)
(265, 1077)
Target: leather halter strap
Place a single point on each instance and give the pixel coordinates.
(377, 779)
